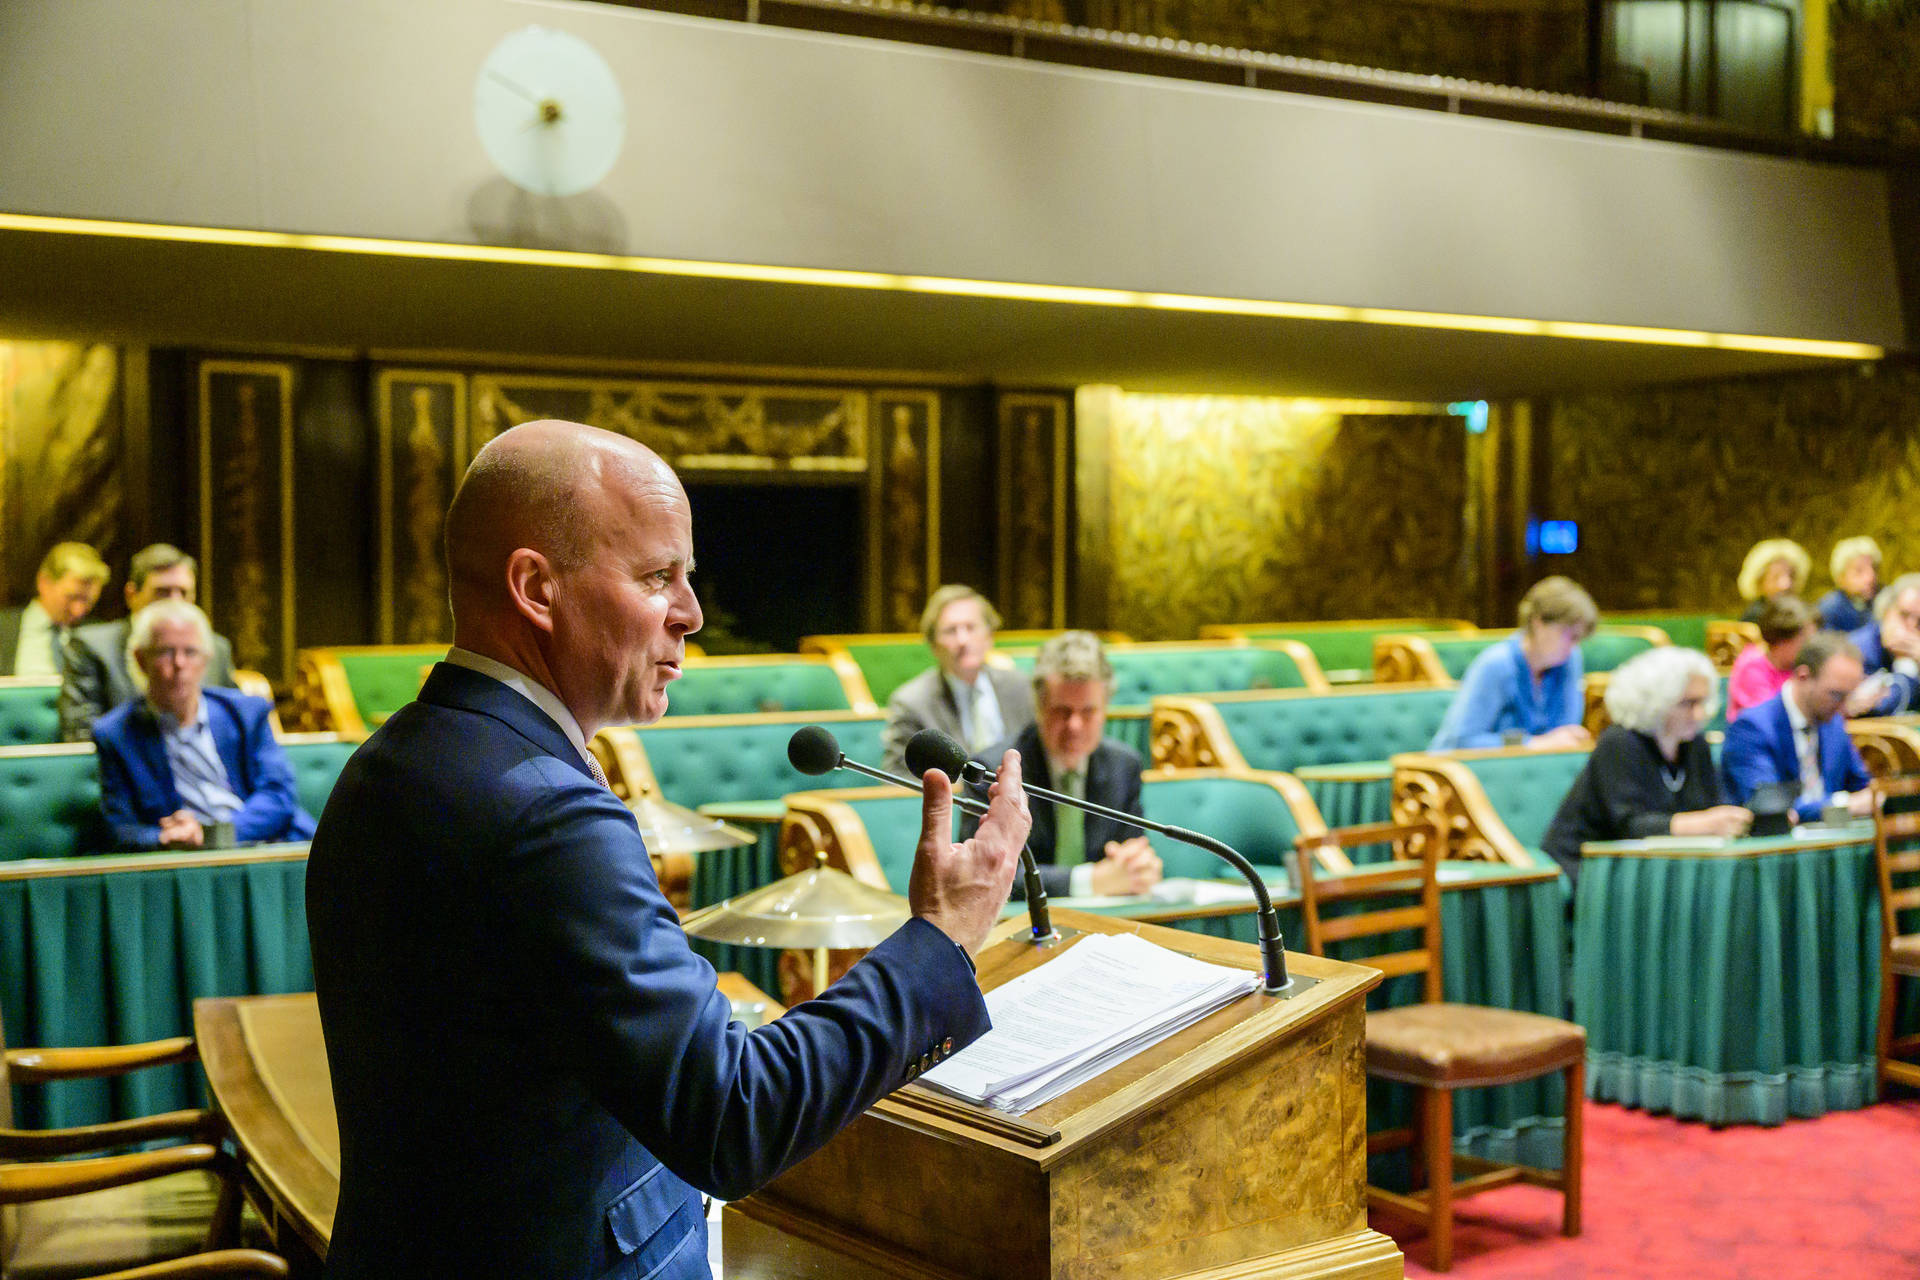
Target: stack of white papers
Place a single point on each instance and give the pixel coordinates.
(1107, 998)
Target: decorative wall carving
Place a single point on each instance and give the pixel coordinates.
(61, 464)
(1232, 509)
(1034, 512)
(247, 509)
(905, 490)
(422, 452)
(1672, 485)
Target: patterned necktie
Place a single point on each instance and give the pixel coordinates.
(1813, 784)
(593, 767)
(57, 637)
(1070, 829)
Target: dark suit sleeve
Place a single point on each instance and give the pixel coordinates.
(1744, 759)
(83, 692)
(272, 810)
(903, 721)
(116, 798)
(724, 1108)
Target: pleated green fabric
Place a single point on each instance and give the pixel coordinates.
(1345, 800)
(1731, 989)
(117, 958)
(728, 873)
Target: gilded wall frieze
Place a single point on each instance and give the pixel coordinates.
(1034, 435)
(695, 426)
(62, 471)
(423, 446)
(247, 509)
(906, 497)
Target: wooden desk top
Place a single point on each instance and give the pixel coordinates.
(1860, 832)
(266, 1064)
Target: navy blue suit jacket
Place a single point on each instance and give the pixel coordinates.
(534, 1074)
(1759, 749)
(136, 781)
(1113, 779)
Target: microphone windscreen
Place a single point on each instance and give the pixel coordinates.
(813, 750)
(932, 749)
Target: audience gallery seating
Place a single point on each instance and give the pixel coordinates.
(1443, 657)
(1344, 650)
(1489, 805)
(886, 660)
(29, 710)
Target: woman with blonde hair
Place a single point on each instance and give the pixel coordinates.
(1651, 773)
(1775, 567)
(1525, 691)
(1856, 576)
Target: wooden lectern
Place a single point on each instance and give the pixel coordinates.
(1235, 1149)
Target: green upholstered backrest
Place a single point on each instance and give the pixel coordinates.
(726, 686)
(29, 712)
(1344, 646)
(50, 802)
(888, 664)
(1604, 650)
(1142, 672)
(893, 826)
(1457, 651)
(1689, 629)
(708, 761)
(316, 759)
(1526, 787)
(384, 682)
(1288, 732)
(1248, 815)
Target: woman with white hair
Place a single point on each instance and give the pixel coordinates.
(1856, 576)
(1651, 773)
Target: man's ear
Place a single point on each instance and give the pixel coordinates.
(128, 591)
(530, 585)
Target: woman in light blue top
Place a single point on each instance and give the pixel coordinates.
(1525, 691)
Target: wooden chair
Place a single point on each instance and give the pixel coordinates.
(74, 1218)
(1899, 952)
(1434, 1046)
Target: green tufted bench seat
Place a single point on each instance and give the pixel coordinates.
(29, 711)
(766, 683)
(888, 659)
(50, 802)
(1682, 626)
(317, 759)
(733, 760)
(1343, 649)
(1337, 744)
(1442, 657)
(1493, 804)
(351, 690)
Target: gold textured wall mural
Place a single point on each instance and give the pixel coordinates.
(904, 509)
(61, 462)
(1229, 509)
(1672, 486)
(246, 509)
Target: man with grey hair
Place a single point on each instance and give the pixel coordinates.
(1651, 773)
(1890, 652)
(98, 676)
(185, 759)
(964, 696)
(1065, 749)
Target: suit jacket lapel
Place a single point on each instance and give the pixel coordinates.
(226, 741)
(1786, 750)
(144, 734)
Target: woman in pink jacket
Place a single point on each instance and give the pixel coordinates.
(1761, 669)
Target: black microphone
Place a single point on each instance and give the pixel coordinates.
(813, 751)
(941, 752)
(927, 750)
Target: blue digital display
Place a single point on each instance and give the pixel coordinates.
(1553, 537)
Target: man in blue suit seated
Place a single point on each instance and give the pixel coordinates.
(1890, 652)
(184, 757)
(534, 1074)
(1799, 736)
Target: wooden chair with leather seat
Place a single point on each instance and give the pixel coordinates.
(146, 1210)
(1899, 952)
(1435, 1046)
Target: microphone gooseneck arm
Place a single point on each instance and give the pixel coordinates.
(1273, 952)
(964, 803)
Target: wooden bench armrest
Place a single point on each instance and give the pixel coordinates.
(45, 1144)
(22, 1183)
(222, 1264)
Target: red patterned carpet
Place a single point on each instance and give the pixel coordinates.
(1666, 1200)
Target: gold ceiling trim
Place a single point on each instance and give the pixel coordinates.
(820, 277)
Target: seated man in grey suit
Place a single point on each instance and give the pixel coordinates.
(974, 704)
(1065, 749)
(33, 637)
(97, 679)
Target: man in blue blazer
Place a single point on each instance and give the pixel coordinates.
(1799, 736)
(186, 756)
(534, 1075)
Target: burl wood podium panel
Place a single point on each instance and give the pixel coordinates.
(1236, 1149)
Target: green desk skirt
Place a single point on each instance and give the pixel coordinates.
(98, 959)
(728, 873)
(1503, 944)
(1739, 988)
(1352, 795)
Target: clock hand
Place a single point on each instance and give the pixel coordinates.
(511, 87)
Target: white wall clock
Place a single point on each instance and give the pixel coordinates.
(549, 111)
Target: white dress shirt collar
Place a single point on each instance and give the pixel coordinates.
(532, 690)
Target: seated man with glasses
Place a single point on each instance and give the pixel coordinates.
(185, 758)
